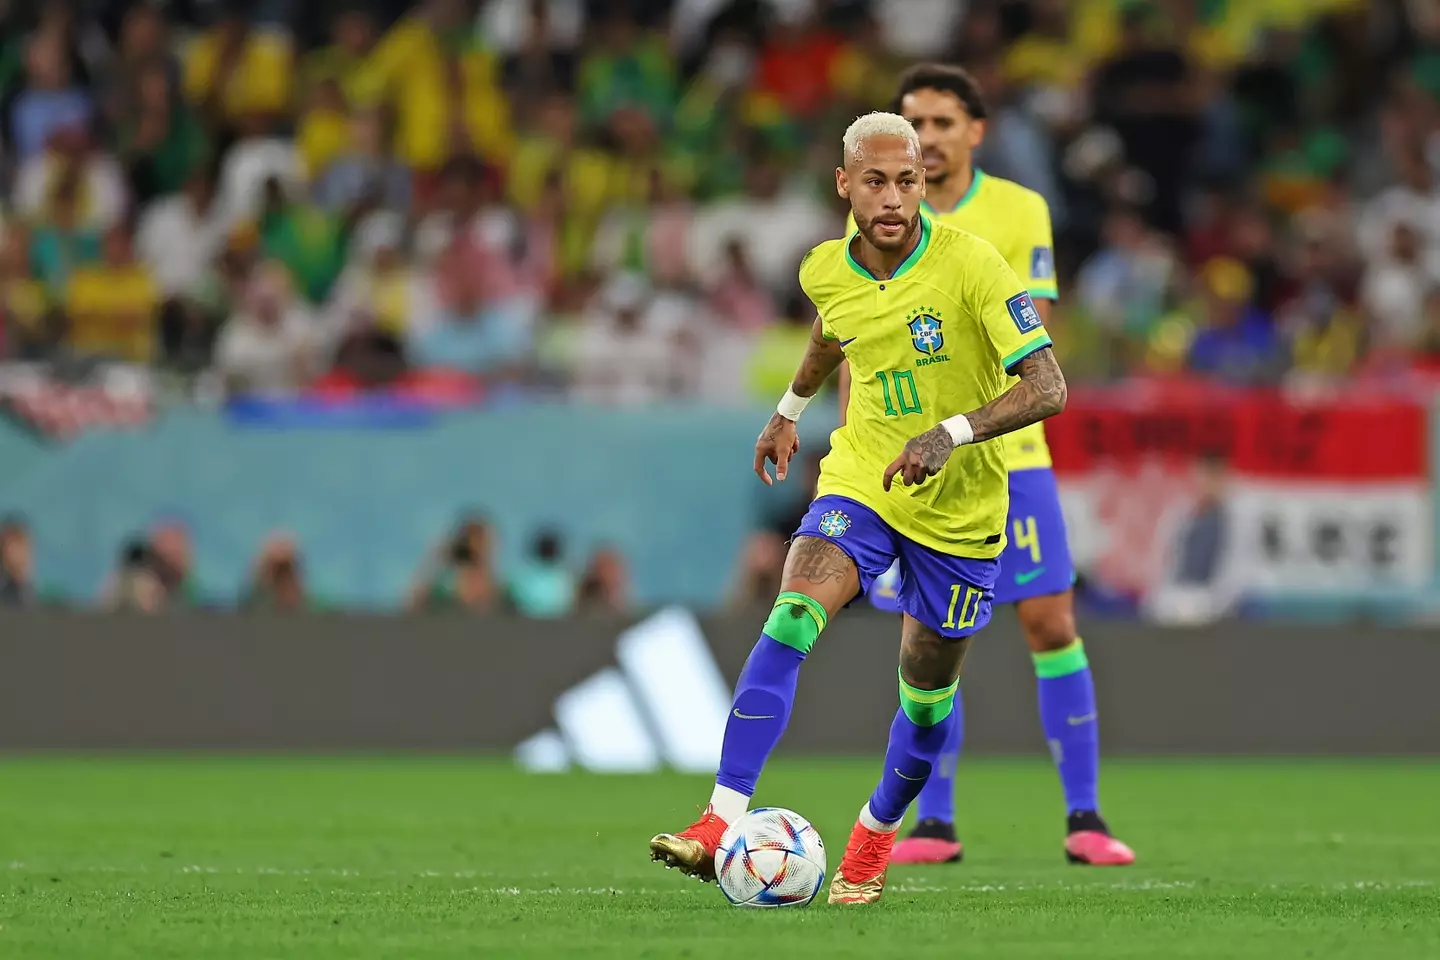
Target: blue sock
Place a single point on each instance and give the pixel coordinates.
(766, 691)
(937, 797)
(1068, 716)
(918, 735)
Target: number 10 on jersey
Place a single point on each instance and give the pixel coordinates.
(899, 389)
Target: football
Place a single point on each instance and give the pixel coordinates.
(770, 858)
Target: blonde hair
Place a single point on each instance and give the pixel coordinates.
(879, 124)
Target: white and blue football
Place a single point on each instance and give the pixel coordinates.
(770, 858)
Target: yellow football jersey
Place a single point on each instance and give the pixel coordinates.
(935, 340)
(1017, 221)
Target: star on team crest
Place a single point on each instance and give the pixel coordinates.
(925, 323)
(834, 523)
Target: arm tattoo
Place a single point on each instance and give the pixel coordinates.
(822, 358)
(1040, 393)
(933, 447)
(817, 561)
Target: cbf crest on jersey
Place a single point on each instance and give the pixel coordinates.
(925, 332)
(834, 523)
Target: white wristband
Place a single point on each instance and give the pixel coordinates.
(792, 405)
(960, 430)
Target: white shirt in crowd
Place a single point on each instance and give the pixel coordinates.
(179, 243)
(267, 359)
(643, 362)
(505, 24)
(1398, 204)
(1393, 294)
(918, 29)
(775, 234)
(102, 195)
(247, 168)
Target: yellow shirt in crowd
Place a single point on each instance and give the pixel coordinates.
(260, 83)
(113, 311)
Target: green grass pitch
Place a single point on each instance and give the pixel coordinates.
(457, 857)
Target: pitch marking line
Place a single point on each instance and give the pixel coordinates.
(1131, 886)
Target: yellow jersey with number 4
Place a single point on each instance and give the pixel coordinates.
(1017, 221)
(938, 338)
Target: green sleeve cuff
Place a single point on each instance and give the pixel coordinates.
(1050, 292)
(1039, 343)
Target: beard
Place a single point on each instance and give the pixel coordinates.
(899, 242)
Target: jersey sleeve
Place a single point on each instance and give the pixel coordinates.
(1007, 311)
(1034, 259)
(811, 283)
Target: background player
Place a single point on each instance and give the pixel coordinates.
(945, 106)
(933, 321)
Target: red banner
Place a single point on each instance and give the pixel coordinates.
(1191, 499)
(1351, 437)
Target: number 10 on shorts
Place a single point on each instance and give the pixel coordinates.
(969, 606)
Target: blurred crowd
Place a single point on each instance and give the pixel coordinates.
(155, 573)
(608, 198)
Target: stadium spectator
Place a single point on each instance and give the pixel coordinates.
(113, 307)
(737, 296)
(542, 586)
(443, 89)
(25, 332)
(538, 41)
(51, 101)
(1236, 341)
(605, 585)
(793, 221)
(649, 234)
(153, 573)
(1321, 320)
(277, 582)
(797, 60)
(17, 570)
(362, 170)
(459, 572)
(1148, 93)
(472, 326)
(71, 184)
(235, 71)
(1123, 287)
(181, 237)
(381, 288)
(268, 347)
(630, 352)
(628, 67)
(1394, 290)
(173, 561)
(345, 59)
(310, 242)
(134, 586)
(160, 139)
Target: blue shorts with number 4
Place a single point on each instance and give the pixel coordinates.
(1036, 561)
(951, 595)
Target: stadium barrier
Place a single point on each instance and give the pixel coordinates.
(346, 683)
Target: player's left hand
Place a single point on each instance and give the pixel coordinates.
(922, 457)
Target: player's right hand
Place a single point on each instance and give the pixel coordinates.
(778, 442)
